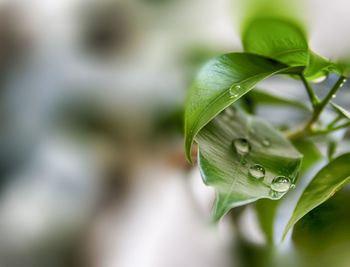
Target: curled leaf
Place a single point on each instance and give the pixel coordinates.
(220, 83)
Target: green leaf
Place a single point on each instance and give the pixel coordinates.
(317, 67)
(276, 38)
(220, 83)
(341, 111)
(342, 67)
(262, 97)
(227, 171)
(329, 180)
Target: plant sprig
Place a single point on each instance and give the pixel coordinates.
(310, 128)
(271, 46)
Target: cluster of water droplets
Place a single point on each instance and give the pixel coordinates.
(343, 82)
(280, 184)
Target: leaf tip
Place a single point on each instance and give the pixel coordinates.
(288, 227)
(220, 209)
(285, 232)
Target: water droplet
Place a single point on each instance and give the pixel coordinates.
(281, 184)
(319, 79)
(343, 82)
(242, 146)
(334, 96)
(266, 142)
(234, 91)
(257, 171)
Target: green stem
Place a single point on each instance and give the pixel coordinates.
(332, 129)
(308, 128)
(334, 122)
(312, 96)
(331, 94)
(301, 133)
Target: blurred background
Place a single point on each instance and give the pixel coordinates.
(92, 167)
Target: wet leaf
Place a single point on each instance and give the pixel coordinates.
(267, 209)
(220, 83)
(228, 167)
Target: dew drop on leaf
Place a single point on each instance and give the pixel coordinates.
(281, 184)
(242, 146)
(343, 82)
(319, 79)
(257, 171)
(234, 90)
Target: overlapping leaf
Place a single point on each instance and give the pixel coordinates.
(220, 83)
(228, 171)
(318, 67)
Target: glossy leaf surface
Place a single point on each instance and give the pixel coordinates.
(228, 171)
(277, 38)
(329, 180)
(220, 83)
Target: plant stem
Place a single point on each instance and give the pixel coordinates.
(308, 128)
(312, 96)
(332, 129)
(334, 122)
(339, 83)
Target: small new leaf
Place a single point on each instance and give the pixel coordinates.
(341, 111)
